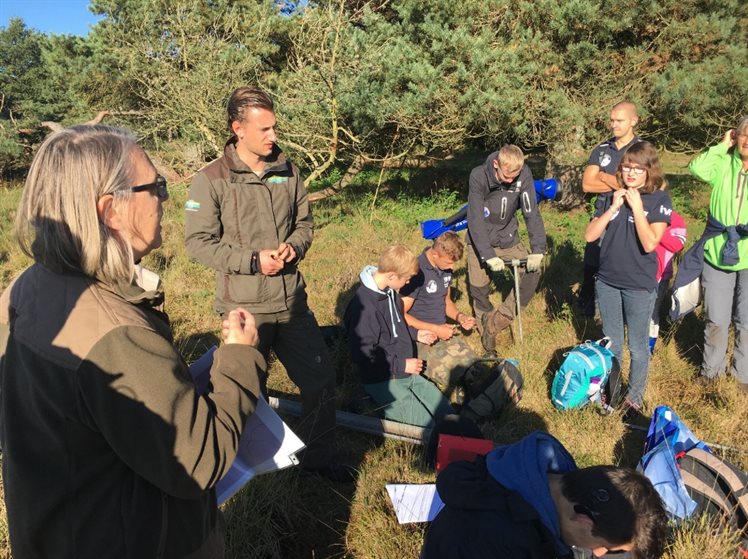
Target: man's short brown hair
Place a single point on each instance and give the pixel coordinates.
(450, 244)
(244, 98)
(398, 259)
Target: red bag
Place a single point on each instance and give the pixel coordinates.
(453, 448)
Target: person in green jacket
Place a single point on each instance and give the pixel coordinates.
(725, 274)
(109, 450)
(248, 218)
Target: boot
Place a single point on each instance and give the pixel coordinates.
(495, 322)
(487, 339)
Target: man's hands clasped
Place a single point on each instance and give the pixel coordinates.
(272, 262)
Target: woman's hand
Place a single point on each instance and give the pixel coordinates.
(618, 199)
(240, 328)
(730, 138)
(634, 200)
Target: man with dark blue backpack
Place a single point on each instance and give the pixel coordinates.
(528, 500)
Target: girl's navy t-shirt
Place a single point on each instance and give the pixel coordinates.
(623, 262)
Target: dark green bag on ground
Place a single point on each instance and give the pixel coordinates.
(489, 390)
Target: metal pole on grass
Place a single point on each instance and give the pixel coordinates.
(362, 423)
(516, 263)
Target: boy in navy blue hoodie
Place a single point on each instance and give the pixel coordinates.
(381, 343)
(528, 500)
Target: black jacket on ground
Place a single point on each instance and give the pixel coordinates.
(484, 520)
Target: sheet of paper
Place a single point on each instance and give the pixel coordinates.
(415, 502)
(267, 443)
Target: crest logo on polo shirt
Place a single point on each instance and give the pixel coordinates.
(431, 287)
(486, 212)
(447, 280)
(604, 159)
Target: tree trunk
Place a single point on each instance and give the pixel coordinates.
(569, 178)
(350, 173)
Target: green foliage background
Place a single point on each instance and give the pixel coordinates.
(392, 83)
(383, 80)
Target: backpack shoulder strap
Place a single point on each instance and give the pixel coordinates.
(706, 490)
(735, 482)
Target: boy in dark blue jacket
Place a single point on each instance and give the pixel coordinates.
(381, 343)
(528, 500)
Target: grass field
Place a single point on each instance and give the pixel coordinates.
(291, 515)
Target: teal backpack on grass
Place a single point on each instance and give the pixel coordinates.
(582, 376)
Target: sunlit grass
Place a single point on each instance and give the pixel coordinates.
(292, 515)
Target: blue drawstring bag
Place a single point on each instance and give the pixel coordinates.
(668, 439)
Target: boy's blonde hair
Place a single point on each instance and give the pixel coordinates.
(511, 156)
(398, 259)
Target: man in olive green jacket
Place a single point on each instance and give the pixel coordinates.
(248, 218)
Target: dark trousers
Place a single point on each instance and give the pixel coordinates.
(591, 265)
(298, 343)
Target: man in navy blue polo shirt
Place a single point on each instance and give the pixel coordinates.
(428, 304)
(599, 178)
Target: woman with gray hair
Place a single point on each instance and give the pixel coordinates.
(108, 448)
(724, 276)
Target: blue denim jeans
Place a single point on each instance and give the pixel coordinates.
(632, 308)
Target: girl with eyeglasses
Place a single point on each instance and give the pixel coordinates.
(626, 286)
(724, 276)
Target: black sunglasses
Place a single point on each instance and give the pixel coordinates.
(159, 186)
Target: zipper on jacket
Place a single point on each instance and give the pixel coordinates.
(526, 202)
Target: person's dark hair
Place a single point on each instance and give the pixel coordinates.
(244, 98)
(624, 507)
(645, 155)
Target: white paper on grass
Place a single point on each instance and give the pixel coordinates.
(267, 444)
(415, 502)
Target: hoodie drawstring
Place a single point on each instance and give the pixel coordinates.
(393, 311)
